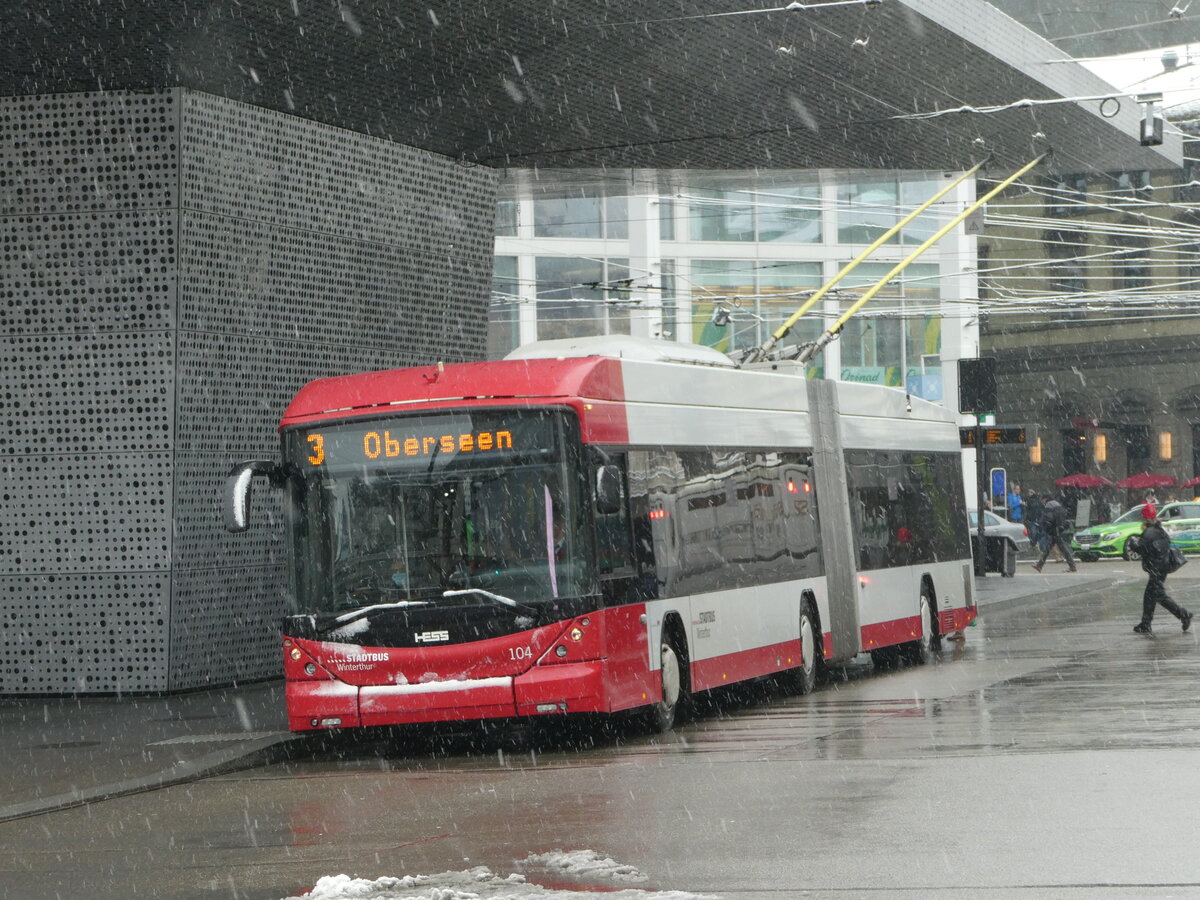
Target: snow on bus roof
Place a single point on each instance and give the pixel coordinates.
(624, 346)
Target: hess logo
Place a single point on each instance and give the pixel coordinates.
(430, 637)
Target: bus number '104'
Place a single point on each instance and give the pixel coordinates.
(520, 653)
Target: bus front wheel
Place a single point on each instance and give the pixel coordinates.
(663, 713)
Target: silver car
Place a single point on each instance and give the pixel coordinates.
(1015, 534)
(993, 526)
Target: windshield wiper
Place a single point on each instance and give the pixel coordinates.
(365, 611)
(495, 598)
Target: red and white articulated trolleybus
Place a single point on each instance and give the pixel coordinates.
(603, 525)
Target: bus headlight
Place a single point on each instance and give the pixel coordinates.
(560, 651)
(296, 654)
(576, 634)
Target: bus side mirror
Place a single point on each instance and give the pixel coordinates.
(608, 490)
(236, 502)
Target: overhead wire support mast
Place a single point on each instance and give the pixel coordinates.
(763, 352)
(809, 352)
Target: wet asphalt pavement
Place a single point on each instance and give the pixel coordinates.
(1053, 753)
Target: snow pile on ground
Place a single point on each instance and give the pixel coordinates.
(480, 883)
(584, 864)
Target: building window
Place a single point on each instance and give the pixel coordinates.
(720, 215)
(789, 213)
(506, 218)
(1068, 275)
(616, 218)
(758, 296)
(1189, 267)
(670, 321)
(666, 219)
(723, 284)
(1132, 269)
(782, 288)
(1189, 188)
(865, 210)
(569, 300)
(567, 217)
(768, 210)
(1136, 439)
(580, 297)
(1074, 451)
(983, 262)
(1067, 196)
(581, 217)
(1196, 453)
(617, 297)
(899, 342)
(924, 226)
(1134, 185)
(503, 311)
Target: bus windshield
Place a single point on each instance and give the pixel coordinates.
(474, 506)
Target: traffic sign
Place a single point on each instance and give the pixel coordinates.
(1000, 484)
(977, 385)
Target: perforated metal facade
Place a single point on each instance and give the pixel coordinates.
(173, 266)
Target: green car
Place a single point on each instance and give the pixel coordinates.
(1111, 539)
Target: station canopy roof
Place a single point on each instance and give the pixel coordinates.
(713, 84)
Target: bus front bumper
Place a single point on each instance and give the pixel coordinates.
(543, 690)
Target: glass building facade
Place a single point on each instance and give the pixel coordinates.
(724, 258)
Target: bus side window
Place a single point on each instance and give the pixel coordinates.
(800, 520)
(613, 549)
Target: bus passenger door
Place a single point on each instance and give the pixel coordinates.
(625, 563)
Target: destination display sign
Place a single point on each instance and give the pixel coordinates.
(993, 435)
(423, 441)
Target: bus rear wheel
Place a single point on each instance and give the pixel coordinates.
(920, 651)
(663, 714)
(803, 678)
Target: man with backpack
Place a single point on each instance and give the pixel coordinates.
(1054, 526)
(1034, 509)
(1155, 547)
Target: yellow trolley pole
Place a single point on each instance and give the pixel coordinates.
(761, 353)
(812, 350)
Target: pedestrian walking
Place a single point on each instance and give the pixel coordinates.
(1155, 546)
(1016, 504)
(1054, 523)
(1034, 507)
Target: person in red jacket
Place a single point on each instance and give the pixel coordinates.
(1155, 547)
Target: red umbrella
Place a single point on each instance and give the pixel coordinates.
(1191, 482)
(1143, 480)
(1083, 480)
